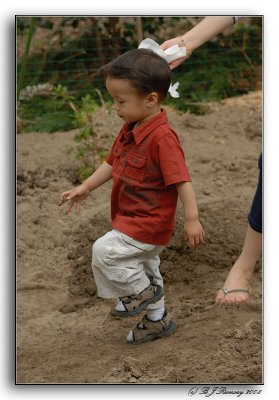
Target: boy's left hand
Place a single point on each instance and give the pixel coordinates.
(194, 233)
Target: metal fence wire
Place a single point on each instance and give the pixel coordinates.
(71, 51)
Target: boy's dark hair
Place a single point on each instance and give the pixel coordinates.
(146, 71)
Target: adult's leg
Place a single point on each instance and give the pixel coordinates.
(242, 270)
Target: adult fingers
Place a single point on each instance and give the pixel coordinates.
(176, 63)
(167, 44)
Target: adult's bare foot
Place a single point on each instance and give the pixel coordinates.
(236, 287)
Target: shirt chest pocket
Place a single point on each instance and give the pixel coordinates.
(116, 157)
(134, 167)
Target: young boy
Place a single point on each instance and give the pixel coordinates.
(148, 169)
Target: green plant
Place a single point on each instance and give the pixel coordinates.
(46, 108)
(92, 147)
(83, 115)
(84, 172)
(74, 50)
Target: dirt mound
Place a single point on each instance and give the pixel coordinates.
(64, 331)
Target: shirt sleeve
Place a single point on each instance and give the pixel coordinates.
(172, 160)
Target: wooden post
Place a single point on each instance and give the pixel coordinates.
(25, 56)
(100, 46)
(139, 29)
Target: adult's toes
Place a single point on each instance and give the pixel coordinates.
(220, 297)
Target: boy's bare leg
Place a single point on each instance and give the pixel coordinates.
(242, 270)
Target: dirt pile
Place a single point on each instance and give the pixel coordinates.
(64, 331)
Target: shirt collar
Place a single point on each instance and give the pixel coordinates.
(145, 129)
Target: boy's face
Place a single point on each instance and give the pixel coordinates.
(128, 103)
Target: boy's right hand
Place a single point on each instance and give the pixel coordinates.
(194, 232)
(75, 196)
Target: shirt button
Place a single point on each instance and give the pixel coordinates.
(124, 153)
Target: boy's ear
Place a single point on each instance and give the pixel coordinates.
(152, 99)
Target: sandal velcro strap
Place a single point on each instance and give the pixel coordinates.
(155, 325)
(148, 330)
(134, 304)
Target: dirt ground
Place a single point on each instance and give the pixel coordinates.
(64, 331)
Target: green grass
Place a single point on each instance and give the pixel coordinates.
(46, 115)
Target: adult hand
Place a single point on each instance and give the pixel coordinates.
(172, 42)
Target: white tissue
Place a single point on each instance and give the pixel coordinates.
(173, 90)
(171, 54)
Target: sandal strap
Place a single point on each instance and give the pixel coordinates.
(134, 301)
(161, 323)
(148, 327)
(226, 291)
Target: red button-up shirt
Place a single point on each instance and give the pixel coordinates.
(147, 163)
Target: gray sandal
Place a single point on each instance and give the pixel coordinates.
(136, 303)
(148, 330)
